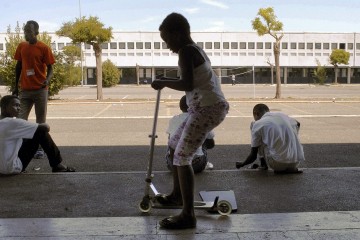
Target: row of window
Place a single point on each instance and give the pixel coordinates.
(250, 54)
(217, 45)
(232, 45)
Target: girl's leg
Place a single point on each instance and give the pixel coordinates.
(186, 181)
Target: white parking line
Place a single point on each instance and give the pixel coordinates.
(166, 117)
(105, 109)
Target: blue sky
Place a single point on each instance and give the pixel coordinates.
(203, 15)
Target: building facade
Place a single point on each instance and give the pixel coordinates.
(245, 54)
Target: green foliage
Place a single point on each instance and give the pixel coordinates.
(271, 24)
(7, 62)
(339, 56)
(111, 74)
(59, 75)
(320, 73)
(89, 31)
(72, 54)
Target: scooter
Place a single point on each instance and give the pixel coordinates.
(149, 201)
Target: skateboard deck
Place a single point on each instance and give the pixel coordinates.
(209, 196)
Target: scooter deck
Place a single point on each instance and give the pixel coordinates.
(223, 195)
(197, 205)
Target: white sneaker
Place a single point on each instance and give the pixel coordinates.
(209, 166)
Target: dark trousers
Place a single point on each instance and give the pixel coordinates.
(30, 146)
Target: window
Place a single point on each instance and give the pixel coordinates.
(293, 45)
(234, 45)
(317, 45)
(139, 45)
(130, 45)
(156, 45)
(122, 45)
(350, 46)
(208, 45)
(259, 45)
(216, 45)
(357, 46)
(268, 45)
(69, 44)
(242, 45)
(200, 44)
(53, 46)
(225, 45)
(334, 46)
(164, 45)
(301, 45)
(251, 45)
(113, 45)
(342, 46)
(104, 46)
(147, 45)
(326, 45)
(284, 45)
(309, 46)
(60, 46)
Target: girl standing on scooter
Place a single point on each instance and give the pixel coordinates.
(207, 109)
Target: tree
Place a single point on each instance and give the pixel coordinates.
(7, 62)
(338, 56)
(272, 27)
(72, 54)
(92, 32)
(111, 74)
(319, 73)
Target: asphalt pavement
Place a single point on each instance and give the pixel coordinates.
(107, 141)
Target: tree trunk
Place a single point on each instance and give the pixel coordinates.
(277, 65)
(336, 73)
(97, 49)
(137, 74)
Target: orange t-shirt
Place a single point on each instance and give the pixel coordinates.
(34, 59)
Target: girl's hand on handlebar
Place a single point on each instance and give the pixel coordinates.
(157, 85)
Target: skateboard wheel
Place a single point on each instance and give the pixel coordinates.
(224, 207)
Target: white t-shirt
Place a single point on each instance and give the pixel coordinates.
(12, 132)
(277, 132)
(174, 124)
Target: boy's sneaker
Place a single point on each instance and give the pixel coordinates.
(39, 154)
(209, 166)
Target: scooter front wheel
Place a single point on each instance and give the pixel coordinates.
(145, 205)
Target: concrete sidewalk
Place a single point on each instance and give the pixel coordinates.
(279, 226)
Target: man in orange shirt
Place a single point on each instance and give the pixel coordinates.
(33, 70)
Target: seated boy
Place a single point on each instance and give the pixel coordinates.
(20, 139)
(274, 136)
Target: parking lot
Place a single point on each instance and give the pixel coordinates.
(107, 141)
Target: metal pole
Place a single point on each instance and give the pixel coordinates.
(81, 52)
(253, 69)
